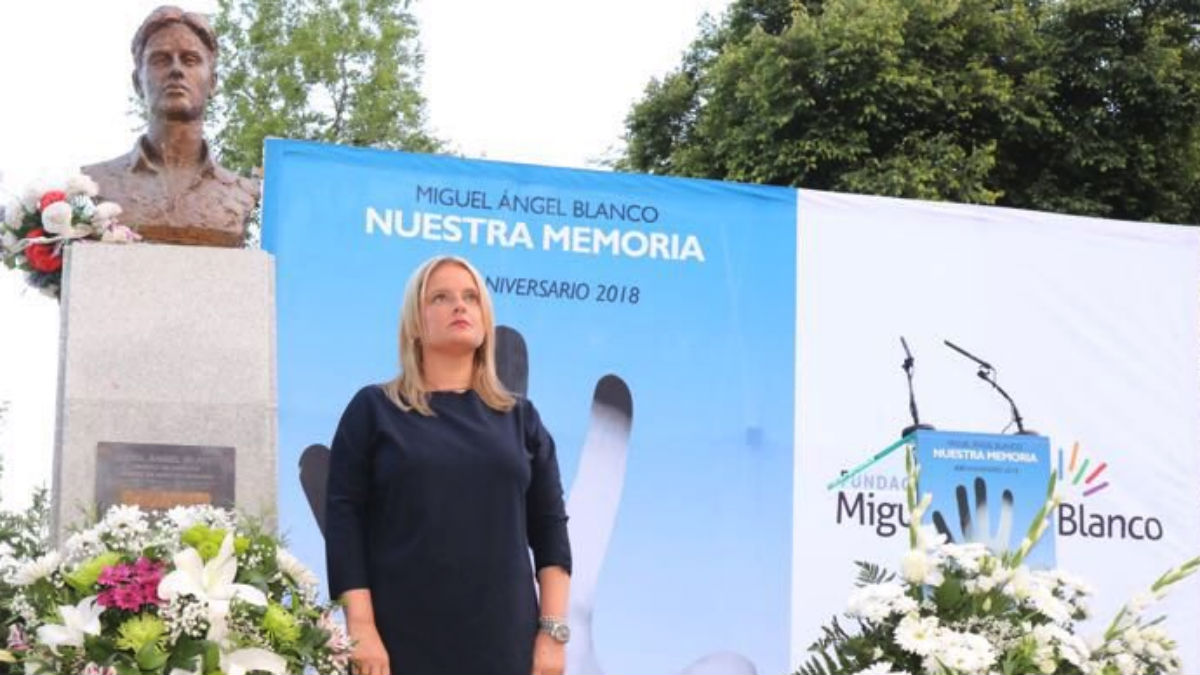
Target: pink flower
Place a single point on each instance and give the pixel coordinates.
(121, 234)
(17, 641)
(106, 598)
(150, 593)
(339, 643)
(114, 575)
(130, 587)
(147, 569)
(128, 597)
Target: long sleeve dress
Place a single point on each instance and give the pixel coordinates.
(436, 516)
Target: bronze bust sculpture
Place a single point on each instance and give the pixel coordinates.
(169, 186)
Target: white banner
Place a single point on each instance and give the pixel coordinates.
(1094, 328)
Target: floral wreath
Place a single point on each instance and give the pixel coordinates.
(37, 227)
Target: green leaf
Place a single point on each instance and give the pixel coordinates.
(151, 657)
(212, 658)
(185, 654)
(341, 72)
(949, 595)
(870, 574)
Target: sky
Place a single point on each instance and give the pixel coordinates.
(539, 81)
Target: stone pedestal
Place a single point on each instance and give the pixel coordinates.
(165, 346)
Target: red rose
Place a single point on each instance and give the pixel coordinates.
(51, 197)
(42, 257)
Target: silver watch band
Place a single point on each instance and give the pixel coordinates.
(556, 627)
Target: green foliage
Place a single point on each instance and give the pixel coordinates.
(830, 651)
(188, 653)
(27, 532)
(339, 71)
(1081, 106)
(869, 574)
(84, 578)
(25, 535)
(840, 651)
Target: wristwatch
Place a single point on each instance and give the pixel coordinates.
(556, 627)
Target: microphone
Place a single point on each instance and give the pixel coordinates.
(907, 366)
(987, 373)
(908, 357)
(969, 355)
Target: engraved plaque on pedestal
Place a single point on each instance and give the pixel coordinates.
(158, 476)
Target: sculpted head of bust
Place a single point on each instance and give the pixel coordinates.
(169, 185)
(175, 63)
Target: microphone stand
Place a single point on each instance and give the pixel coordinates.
(988, 374)
(907, 366)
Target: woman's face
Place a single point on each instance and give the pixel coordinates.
(451, 311)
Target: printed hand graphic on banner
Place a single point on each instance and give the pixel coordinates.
(976, 529)
(595, 495)
(593, 502)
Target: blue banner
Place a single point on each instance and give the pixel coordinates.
(987, 488)
(665, 304)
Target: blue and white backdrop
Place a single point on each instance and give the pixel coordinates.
(744, 340)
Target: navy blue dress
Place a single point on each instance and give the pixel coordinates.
(437, 516)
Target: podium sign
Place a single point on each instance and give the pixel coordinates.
(986, 488)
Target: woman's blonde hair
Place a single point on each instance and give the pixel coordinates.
(408, 390)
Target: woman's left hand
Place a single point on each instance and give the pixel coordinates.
(549, 655)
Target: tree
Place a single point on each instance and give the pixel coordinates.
(339, 71)
(1080, 106)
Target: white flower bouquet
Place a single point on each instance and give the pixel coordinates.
(186, 592)
(36, 227)
(959, 609)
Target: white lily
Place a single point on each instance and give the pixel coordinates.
(242, 661)
(210, 583)
(82, 619)
(245, 661)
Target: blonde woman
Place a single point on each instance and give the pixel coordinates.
(440, 483)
